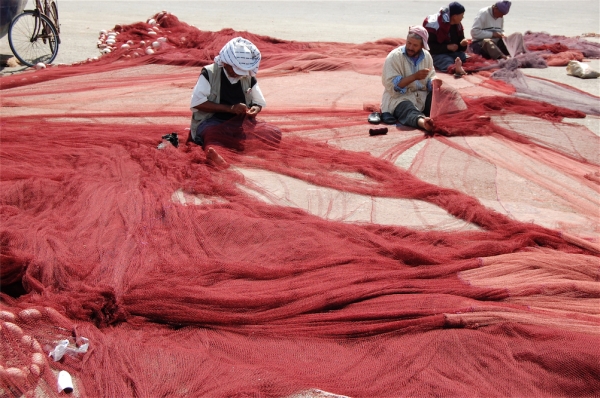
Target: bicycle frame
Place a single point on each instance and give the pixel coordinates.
(45, 10)
(39, 32)
(39, 26)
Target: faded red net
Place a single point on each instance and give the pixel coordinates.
(543, 50)
(461, 264)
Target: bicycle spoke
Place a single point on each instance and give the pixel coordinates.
(33, 38)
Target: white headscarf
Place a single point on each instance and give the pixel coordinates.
(241, 54)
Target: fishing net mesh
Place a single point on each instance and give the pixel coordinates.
(403, 264)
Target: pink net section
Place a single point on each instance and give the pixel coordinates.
(542, 50)
(173, 42)
(542, 41)
(548, 91)
(328, 260)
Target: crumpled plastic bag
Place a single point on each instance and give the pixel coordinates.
(63, 348)
(582, 70)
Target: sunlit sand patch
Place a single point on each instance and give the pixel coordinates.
(506, 179)
(184, 198)
(316, 393)
(357, 139)
(330, 90)
(557, 185)
(554, 135)
(548, 218)
(105, 92)
(332, 204)
(353, 175)
(406, 159)
(591, 122)
(122, 120)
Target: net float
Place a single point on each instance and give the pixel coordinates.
(7, 316)
(30, 314)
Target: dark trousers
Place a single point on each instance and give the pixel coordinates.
(236, 133)
(443, 61)
(210, 122)
(477, 48)
(408, 115)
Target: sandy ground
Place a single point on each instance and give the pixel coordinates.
(333, 20)
(337, 21)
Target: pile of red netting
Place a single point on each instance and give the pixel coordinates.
(464, 263)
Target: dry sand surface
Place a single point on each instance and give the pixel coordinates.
(332, 21)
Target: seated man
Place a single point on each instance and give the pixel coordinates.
(226, 100)
(488, 33)
(447, 41)
(407, 79)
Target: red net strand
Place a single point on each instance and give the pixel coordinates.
(322, 259)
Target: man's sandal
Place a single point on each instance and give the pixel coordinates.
(374, 118)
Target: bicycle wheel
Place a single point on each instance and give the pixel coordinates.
(51, 11)
(33, 38)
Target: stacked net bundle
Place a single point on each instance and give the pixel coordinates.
(541, 41)
(543, 50)
(547, 91)
(329, 260)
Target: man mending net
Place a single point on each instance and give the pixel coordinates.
(227, 99)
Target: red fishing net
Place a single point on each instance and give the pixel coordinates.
(556, 44)
(465, 263)
(543, 50)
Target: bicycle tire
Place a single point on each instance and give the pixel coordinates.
(51, 11)
(54, 11)
(33, 38)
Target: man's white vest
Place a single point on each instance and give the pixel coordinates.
(214, 79)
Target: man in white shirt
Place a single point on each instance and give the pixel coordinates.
(488, 31)
(408, 77)
(227, 93)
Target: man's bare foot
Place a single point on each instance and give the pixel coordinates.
(426, 124)
(458, 68)
(213, 157)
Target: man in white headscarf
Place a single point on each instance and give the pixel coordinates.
(227, 90)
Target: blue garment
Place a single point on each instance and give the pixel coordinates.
(211, 121)
(233, 133)
(443, 61)
(415, 68)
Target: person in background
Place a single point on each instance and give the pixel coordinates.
(408, 76)
(447, 41)
(225, 94)
(488, 33)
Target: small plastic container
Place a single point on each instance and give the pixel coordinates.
(65, 383)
